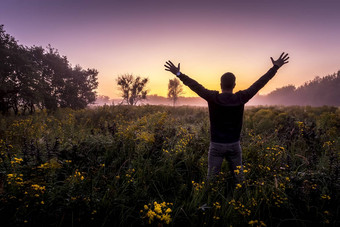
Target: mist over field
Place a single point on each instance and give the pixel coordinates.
(321, 91)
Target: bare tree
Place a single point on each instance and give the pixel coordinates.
(175, 89)
(133, 89)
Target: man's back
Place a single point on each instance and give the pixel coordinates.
(226, 116)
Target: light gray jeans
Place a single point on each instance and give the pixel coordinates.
(230, 151)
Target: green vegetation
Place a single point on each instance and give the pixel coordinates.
(36, 78)
(141, 165)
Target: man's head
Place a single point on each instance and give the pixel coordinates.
(227, 82)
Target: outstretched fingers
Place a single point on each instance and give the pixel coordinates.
(285, 58)
(281, 55)
(169, 65)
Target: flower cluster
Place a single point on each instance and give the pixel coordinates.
(26, 127)
(217, 207)
(16, 161)
(325, 197)
(301, 126)
(183, 138)
(37, 192)
(129, 175)
(39, 188)
(44, 166)
(52, 164)
(159, 212)
(274, 152)
(142, 129)
(146, 137)
(238, 186)
(77, 176)
(16, 179)
(256, 223)
(197, 186)
(277, 199)
(237, 170)
(240, 207)
(328, 143)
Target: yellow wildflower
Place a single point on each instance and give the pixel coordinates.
(252, 222)
(238, 186)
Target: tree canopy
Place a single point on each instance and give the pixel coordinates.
(34, 77)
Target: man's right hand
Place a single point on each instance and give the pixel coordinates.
(172, 68)
(283, 59)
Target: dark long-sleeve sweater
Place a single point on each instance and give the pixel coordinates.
(226, 109)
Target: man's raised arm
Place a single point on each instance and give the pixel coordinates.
(192, 84)
(255, 87)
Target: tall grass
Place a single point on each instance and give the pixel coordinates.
(147, 165)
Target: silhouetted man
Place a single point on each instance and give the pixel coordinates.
(226, 115)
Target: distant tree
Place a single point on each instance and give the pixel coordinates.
(281, 96)
(175, 89)
(102, 100)
(133, 89)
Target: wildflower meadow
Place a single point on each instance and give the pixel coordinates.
(147, 166)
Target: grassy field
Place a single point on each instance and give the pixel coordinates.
(147, 165)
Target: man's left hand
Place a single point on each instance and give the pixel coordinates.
(283, 59)
(172, 68)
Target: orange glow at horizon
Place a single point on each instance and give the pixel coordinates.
(208, 39)
(208, 69)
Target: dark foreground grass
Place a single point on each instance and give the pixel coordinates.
(132, 166)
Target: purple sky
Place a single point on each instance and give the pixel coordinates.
(207, 37)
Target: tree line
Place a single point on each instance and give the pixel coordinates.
(317, 92)
(35, 77)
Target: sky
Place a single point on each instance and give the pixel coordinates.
(208, 38)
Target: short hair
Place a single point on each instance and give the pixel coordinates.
(228, 81)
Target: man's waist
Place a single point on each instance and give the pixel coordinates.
(227, 143)
(219, 137)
